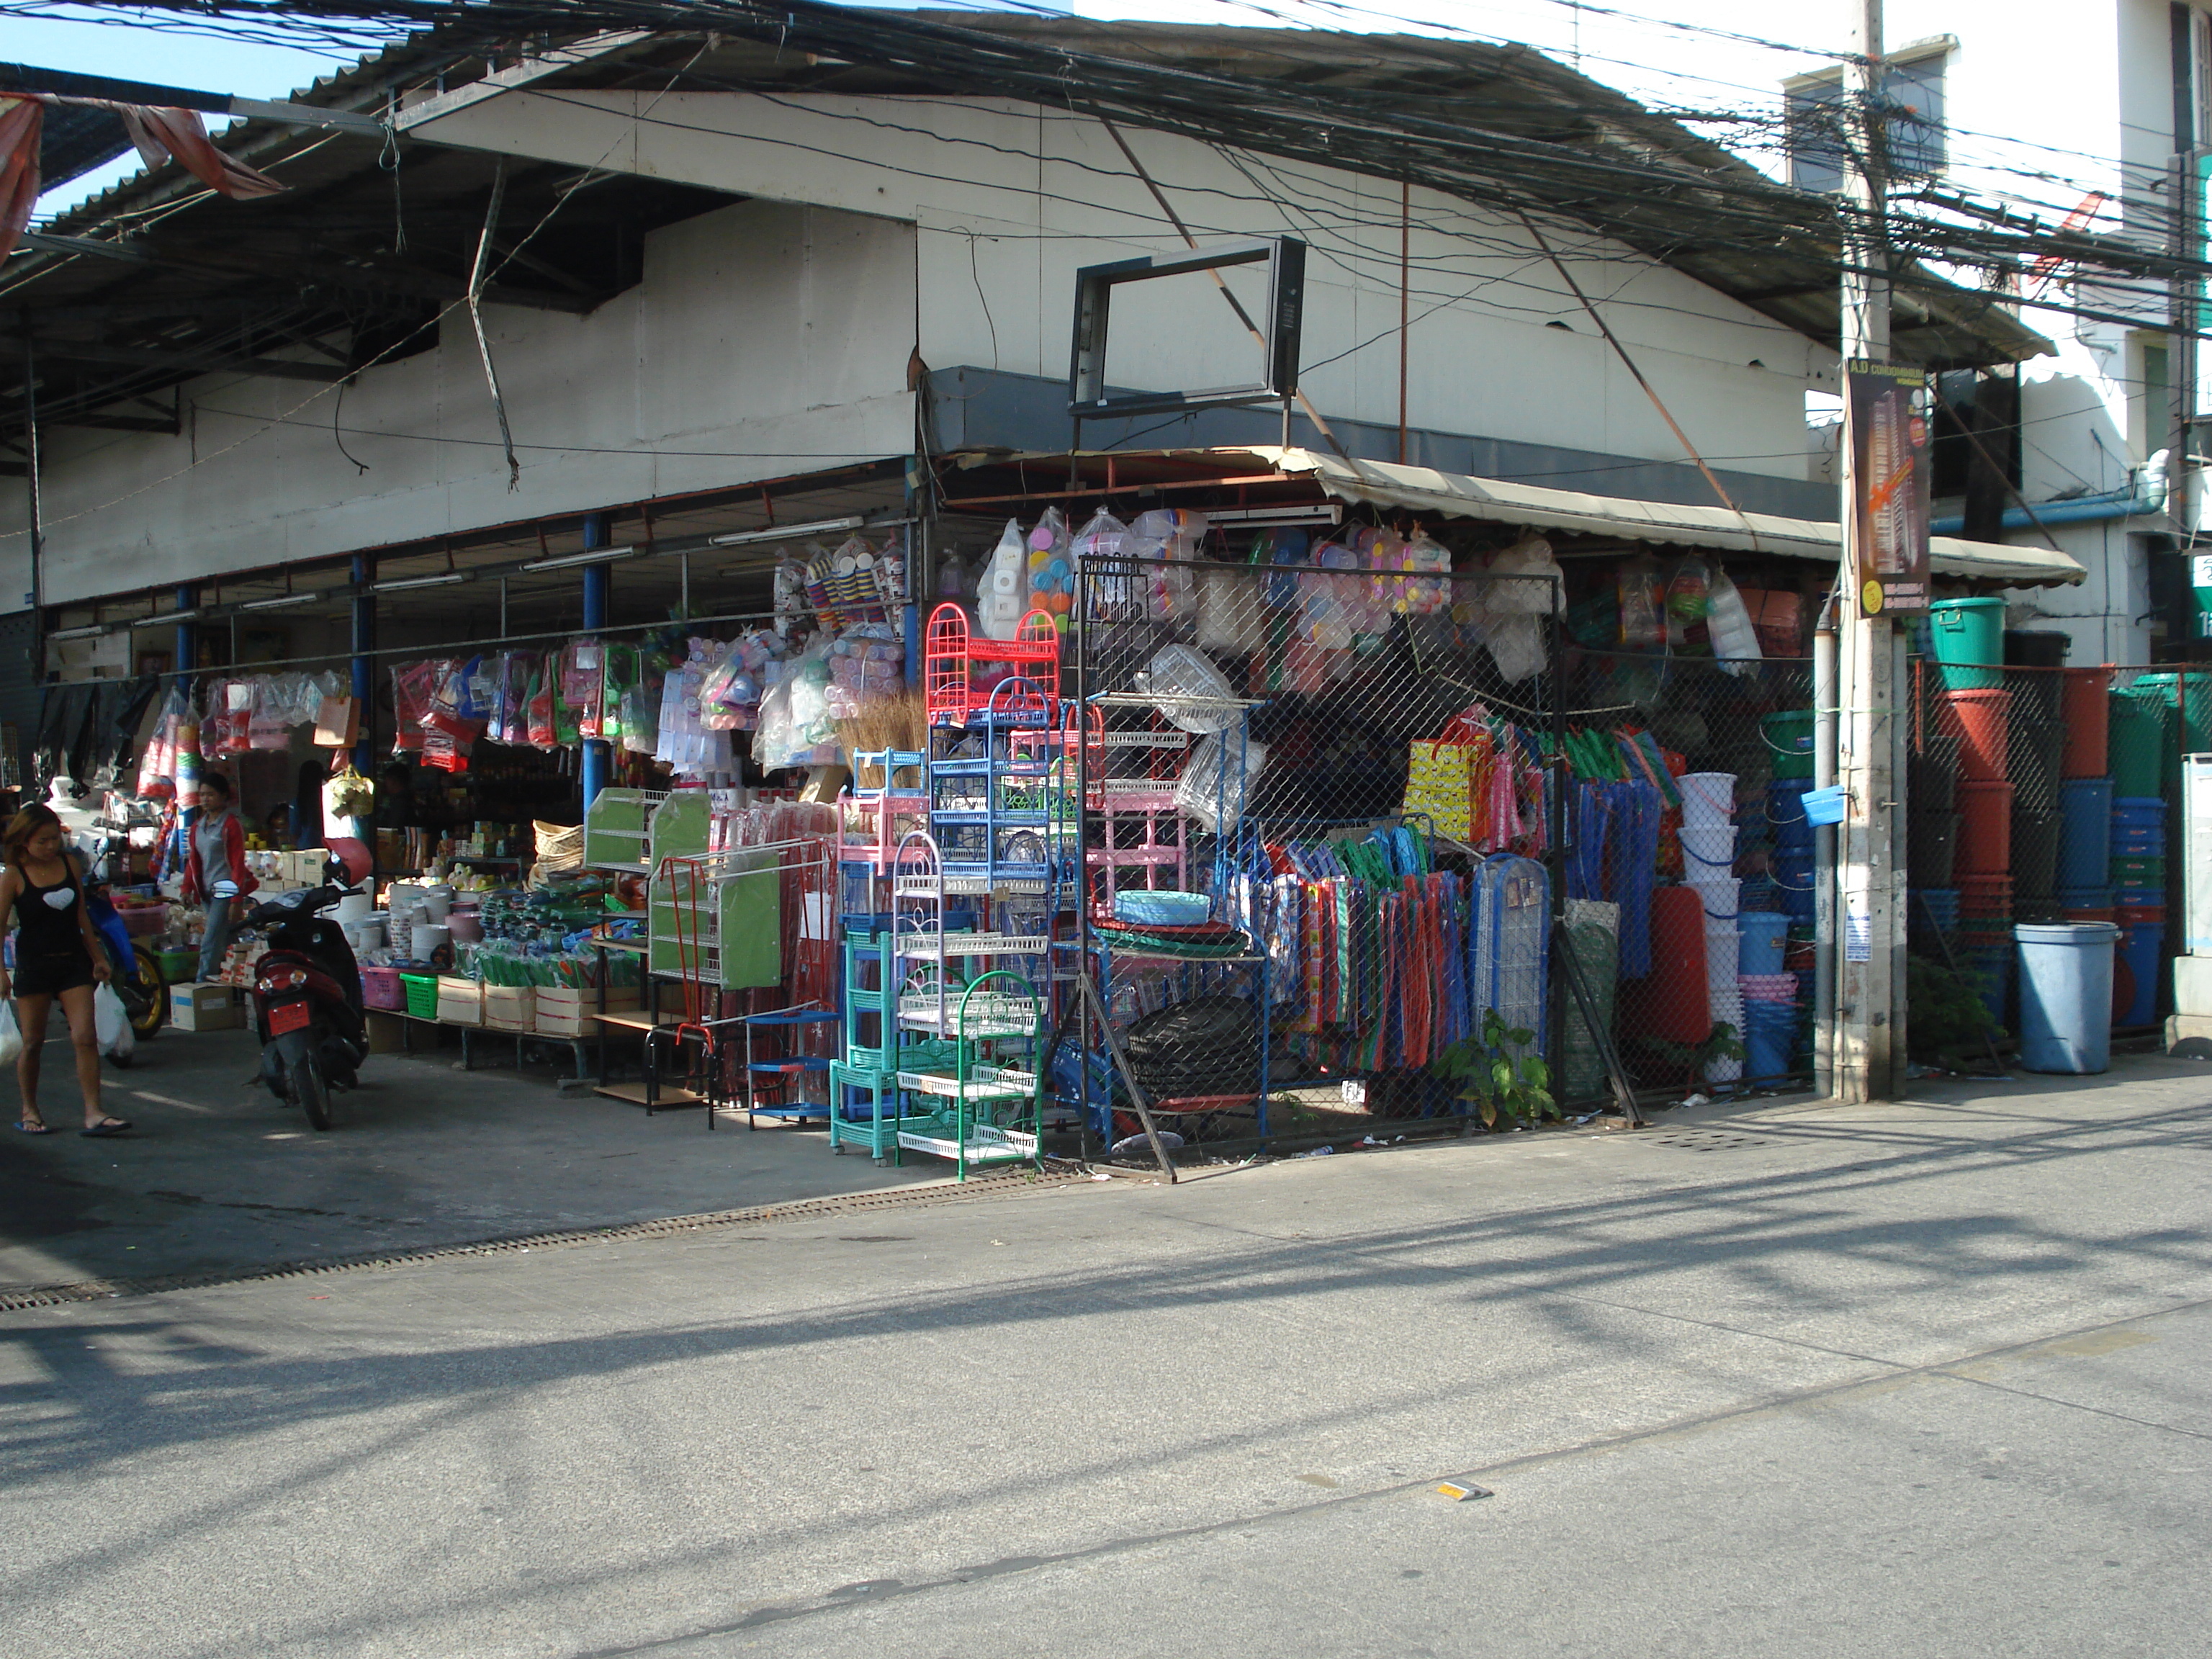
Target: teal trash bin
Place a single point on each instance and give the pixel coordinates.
(1968, 635)
(2066, 995)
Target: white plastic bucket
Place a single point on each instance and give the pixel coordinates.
(354, 906)
(438, 901)
(427, 939)
(1707, 851)
(1708, 799)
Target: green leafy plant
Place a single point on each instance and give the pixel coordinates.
(1486, 1072)
(1697, 1059)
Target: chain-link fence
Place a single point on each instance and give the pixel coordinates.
(2042, 793)
(1371, 808)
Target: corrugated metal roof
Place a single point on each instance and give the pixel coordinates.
(1384, 484)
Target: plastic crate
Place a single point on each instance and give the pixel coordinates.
(177, 966)
(380, 988)
(421, 995)
(145, 921)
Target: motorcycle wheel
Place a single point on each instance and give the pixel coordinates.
(308, 1090)
(145, 993)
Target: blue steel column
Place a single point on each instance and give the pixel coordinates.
(596, 756)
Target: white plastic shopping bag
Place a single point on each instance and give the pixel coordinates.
(11, 1040)
(112, 1024)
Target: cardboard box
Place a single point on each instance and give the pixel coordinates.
(205, 1005)
(563, 1012)
(509, 1008)
(460, 1002)
(387, 1032)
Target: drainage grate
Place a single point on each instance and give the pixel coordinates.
(982, 1187)
(1701, 1140)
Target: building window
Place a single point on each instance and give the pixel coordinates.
(1818, 125)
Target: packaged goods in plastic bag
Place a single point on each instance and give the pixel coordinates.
(1001, 596)
(1217, 780)
(1635, 586)
(1172, 535)
(1116, 589)
(112, 1024)
(1049, 569)
(1689, 598)
(1735, 640)
(11, 1040)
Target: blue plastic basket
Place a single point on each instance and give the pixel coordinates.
(1163, 908)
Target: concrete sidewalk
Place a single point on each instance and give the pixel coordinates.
(1924, 1378)
(220, 1177)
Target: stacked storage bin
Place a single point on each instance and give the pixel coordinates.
(1979, 717)
(2138, 879)
(1708, 836)
(1768, 994)
(2034, 756)
(1792, 863)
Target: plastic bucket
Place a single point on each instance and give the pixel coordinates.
(1764, 935)
(2086, 806)
(1786, 815)
(2139, 813)
(1708, 851)
(2035, 843)
(1789, 737)
(1794, 876)
(2137, 745)
(2135, 972)
(1769, 1029)
(1968, 635)
(1708, 799)
(2084, 699)
(2033, 749)
(1767, 988)
(1931, 848)
(2139, 870)
(1984, 827)
(1932, 771)
(1981, 721)
(2066, 996)
(1985, 897)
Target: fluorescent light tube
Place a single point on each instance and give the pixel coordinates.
(590, 556)
(1329, 513)
(405, 582)
(785, 532)
(163, 618)
(89, 632)
(281, 599)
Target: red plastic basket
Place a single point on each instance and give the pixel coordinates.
(380, 988)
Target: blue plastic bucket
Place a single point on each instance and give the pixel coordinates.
(1793, 874)
(2139, 812)
(1770, 1029)
(1761, 936)
(2085, 846)
(2141, 947)
(2066, 995)
(1786, 815)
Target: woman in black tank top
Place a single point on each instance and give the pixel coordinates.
(57, 955)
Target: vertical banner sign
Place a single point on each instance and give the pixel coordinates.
(1888, 425)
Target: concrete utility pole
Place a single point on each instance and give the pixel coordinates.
(1868, 1042)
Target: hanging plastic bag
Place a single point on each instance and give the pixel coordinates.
(1001, 594)
(543, 731)
(1735, 640)
(1119, 588)
(112, 1024)
(11, 1040)
(1637, 589)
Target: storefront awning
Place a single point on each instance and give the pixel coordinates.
(1382, 483)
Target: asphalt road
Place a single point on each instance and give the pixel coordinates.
(1927, 1379)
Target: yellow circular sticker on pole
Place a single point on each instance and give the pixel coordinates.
(1870, 598)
